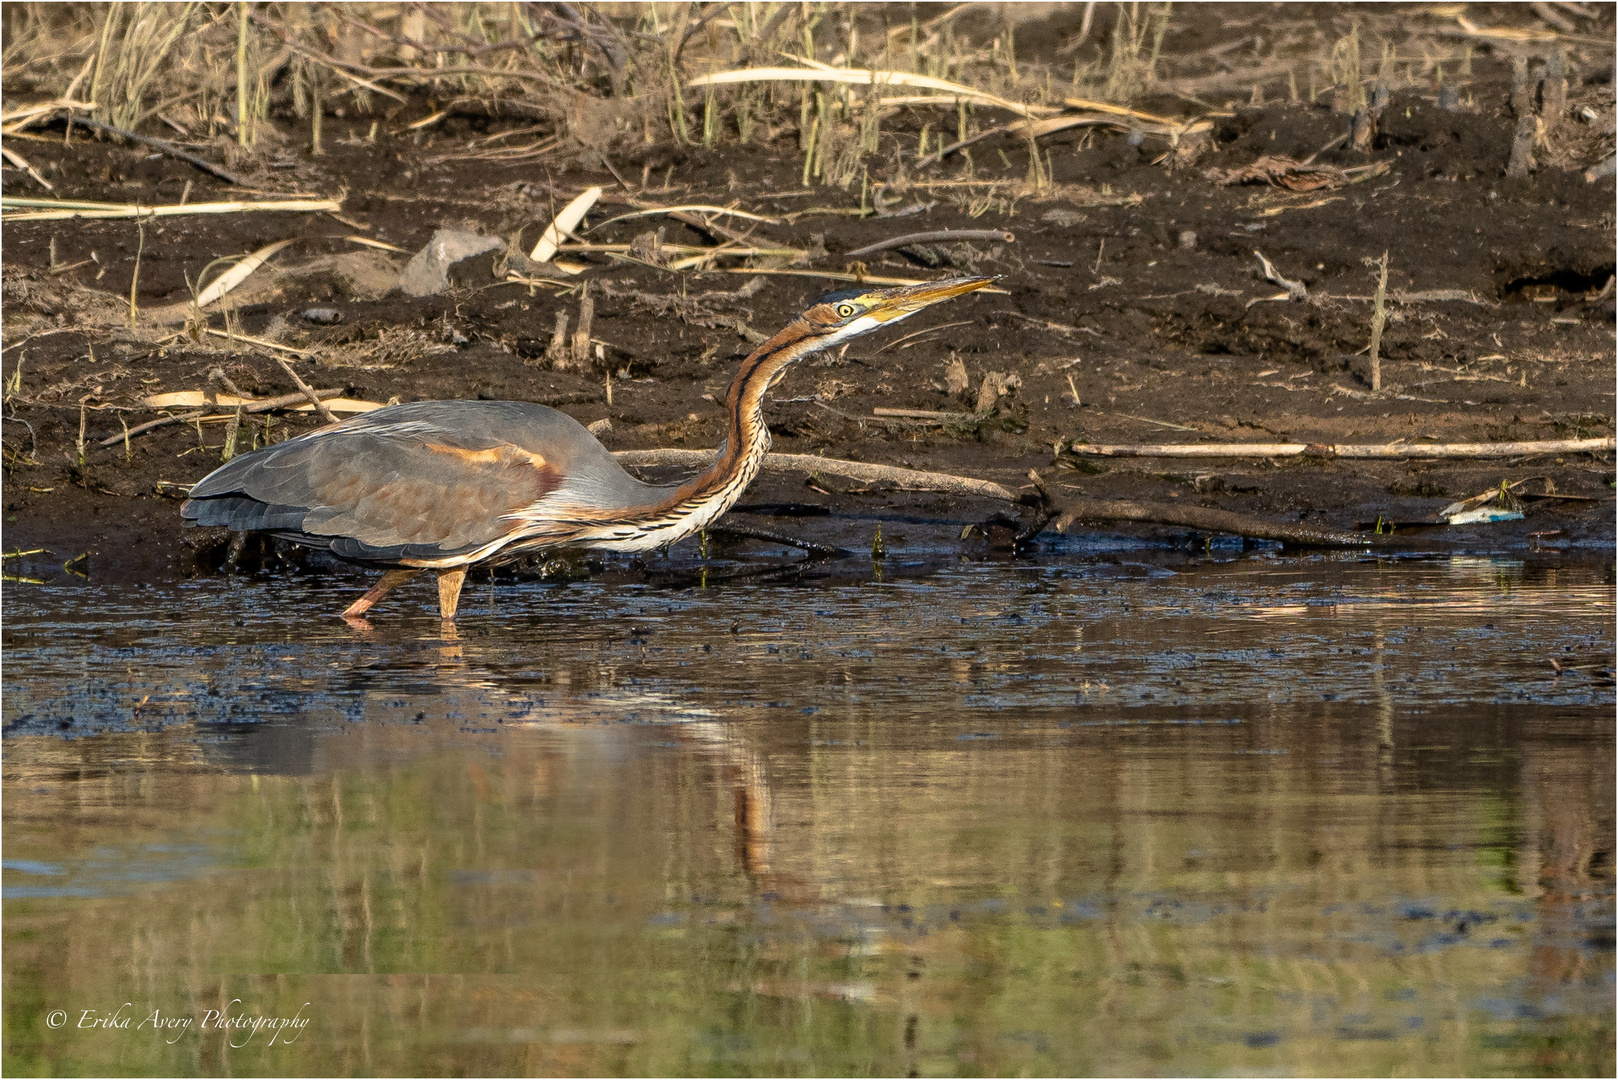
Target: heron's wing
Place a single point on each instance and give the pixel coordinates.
(419, 485)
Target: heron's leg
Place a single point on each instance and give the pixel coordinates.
(449, 591)
(390, 580)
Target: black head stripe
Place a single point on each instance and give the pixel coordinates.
(843, 294)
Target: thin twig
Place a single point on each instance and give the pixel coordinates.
(308, 392)
(22, 163)
(940, 236)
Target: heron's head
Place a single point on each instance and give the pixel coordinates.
(842, 315)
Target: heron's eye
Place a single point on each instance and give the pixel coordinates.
(845, 311)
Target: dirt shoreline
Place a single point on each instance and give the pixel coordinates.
(1131, 288)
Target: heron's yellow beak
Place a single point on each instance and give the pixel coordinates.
(905, 300)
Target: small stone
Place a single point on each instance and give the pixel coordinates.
(1188, 239)
(435, 266)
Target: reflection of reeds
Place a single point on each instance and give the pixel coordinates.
(559, 879)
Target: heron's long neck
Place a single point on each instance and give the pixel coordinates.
(747, 439)
(715, 489)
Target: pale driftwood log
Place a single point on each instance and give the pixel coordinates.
(853, 470)
(1391, 451)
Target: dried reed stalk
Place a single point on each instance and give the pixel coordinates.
(58, 210)
(864, 77)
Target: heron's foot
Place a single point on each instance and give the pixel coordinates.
(390, 580)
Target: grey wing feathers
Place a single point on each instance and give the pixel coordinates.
(412, 482)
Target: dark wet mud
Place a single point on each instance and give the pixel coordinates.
(1135, 310)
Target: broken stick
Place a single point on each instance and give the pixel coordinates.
(308, 392)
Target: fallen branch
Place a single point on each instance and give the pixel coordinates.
(267, 405)
(1389, 451)
(940, 236)
(162, 146)
(853, 470)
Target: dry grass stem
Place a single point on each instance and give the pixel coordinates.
(60, 210)
(20, 162)
(258, 342)
(694, 208)
(1379, 317)
(835, 275)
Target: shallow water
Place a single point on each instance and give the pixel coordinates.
(1324, 815)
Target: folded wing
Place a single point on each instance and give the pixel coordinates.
(410, 485)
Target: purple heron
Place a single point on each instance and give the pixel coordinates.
(444, 485)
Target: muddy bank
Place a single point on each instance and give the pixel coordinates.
(1134, 310)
